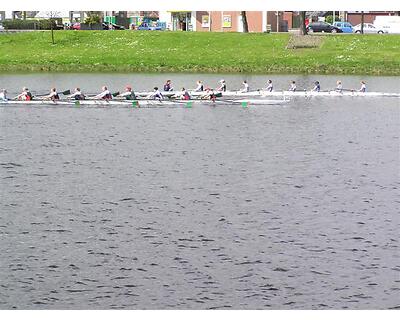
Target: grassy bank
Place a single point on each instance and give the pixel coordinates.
(127, 51)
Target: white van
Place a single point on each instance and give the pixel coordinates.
(390, 24)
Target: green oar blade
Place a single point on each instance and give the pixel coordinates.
(66, 92)
(115, 94)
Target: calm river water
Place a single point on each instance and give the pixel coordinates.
(268, 207)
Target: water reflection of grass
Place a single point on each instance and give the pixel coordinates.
(197, 52)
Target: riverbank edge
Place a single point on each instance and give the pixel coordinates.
(279, 70)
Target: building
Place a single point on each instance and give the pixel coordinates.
(229, 21)
(354, 17)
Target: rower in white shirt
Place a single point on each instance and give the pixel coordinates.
(339, 87)
(53, 95)
(363, 87)
(105, 94)
(293, 86)
(199, 87)
(222, 87)
(77, 95)
(156, 95)
(3, 95)
(246, 87)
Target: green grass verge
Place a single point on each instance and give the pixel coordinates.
(145, 51)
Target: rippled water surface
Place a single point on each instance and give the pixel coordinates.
(267, 207)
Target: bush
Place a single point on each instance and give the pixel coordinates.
(329, 19)
(43, 24)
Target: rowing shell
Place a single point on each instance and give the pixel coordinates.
(261, 93)
(148, 103)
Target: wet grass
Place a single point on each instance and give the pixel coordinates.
(143, 51)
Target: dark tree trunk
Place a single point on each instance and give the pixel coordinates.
(362, 22)
(303, 29)
(52, 31)
(245, 24)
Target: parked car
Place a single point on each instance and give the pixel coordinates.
(368, 28)
(148, 26)
(75, 26)
(106, 26)
(321, 26)
(1, 27)
(346, 27)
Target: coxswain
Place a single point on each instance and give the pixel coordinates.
(222, 86)
(77, 95)
(53, 95)
(128, 94)
(3, 95)
(168, 86)
(26, 95)
(293, 86)
(363, 87)
(199, 87)
(185, 94)
(339, 87)
(105, 94)
(270, 87)
(317, 87)
(246, 87)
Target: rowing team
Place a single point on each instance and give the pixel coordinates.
(105, 94)
(269, 87)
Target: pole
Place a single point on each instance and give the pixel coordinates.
(277, 21)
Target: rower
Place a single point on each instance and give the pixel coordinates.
(77, 95)
(210, 95)
(293, 86)
(156, 94)
(246, 87)
(339, 87)
(53, 95)
(105, 94)
(167, 86)
(26, 95)
(363, 87)
(270, 87)
(317, 87)
(222, 86)
(199, 87)
(185, 94)
(128, 94)
(3, 95)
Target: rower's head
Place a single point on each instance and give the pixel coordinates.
(199, 81)
(316, 82)
(128, 88)
(222, 81)
(293, 82)
(25, 89)
(168, 82)
(155, 88)
(53, 89)
(4, 91)
(77, 89)
(338, 82)
(245, 81)
(183, 89)
(363, 82)
(269, 81)
(104, 88)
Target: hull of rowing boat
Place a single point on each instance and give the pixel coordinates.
(149, 103)
(261, 93)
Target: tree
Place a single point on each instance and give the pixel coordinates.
(52, 15)
(362, 22)
(303, 29)
(244, 21)
(92, 19)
